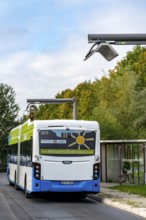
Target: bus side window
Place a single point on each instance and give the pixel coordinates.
(26, 153)
(12, 154)
(29, 150)
(9, 154)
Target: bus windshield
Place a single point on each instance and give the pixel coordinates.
(67, 142)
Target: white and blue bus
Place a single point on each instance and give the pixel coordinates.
(55, 156)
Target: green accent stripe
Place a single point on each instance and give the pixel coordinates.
(66, 151)
(14, 136)
(26, 133)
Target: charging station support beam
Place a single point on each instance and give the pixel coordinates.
(120, 39)
(56, 101)
(102, 43)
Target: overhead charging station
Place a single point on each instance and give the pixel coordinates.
(33, 102)
(102, 43)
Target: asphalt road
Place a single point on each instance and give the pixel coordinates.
(14, 206)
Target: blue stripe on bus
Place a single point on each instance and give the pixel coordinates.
(90, 186)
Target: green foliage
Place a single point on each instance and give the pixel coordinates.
(85, 94)
(57, 111)
(117, 102)
(134, 189)
(8, 113)
(65, 111)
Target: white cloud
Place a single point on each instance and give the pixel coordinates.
(39, 75)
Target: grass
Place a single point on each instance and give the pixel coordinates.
(104, 195)
(131, 189)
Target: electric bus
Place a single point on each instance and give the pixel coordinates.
(55, 156)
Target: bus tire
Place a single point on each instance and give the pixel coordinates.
(8, 173)
(10, 183)
(27, 195)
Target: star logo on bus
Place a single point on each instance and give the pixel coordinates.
(80, 140)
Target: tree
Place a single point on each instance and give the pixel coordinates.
(117, 101)
(136, 62)
(56, 111)
(121, 108)
(115, 111)
(8, 114)
(86, 96)
(65, 111)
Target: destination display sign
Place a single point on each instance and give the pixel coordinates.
(67, 142)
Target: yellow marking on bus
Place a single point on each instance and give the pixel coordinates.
(80, 140)
(73, 136)
(89, 139)
(72, 144)
(84, 133)
(85, 145)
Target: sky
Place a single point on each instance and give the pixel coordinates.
(43, 42)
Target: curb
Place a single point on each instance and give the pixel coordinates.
(137, 211)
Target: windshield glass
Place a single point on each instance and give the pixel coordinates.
(67, 142)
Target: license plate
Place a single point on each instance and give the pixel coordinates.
(67, 182)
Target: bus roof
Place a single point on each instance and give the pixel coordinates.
(25, 130)
(65, 123)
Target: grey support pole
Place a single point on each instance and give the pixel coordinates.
(74, 109)
(144, 150)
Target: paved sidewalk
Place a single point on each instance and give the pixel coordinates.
(128, 202)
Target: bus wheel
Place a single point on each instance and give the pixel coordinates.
(16, 186)
(27, 195)
(10, 183)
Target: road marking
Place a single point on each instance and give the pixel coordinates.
(13, 216)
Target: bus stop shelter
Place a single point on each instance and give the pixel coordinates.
(123, 161)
